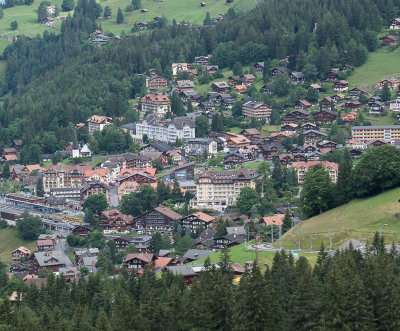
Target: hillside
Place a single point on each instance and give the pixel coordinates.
(358, 218)
(239, 254)
(9, 241)
(180, 10)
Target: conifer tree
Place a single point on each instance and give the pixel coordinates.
(120, 16)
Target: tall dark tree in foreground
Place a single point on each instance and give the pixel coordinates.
(120, 16)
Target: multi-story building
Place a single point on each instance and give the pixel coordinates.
(93, 188)
(166, 130)
(301, 169)
(198, 146)
(62, 176)
(98, 123)
(160, 219)
(387, 133)
(157, 103)
(259, 110)
(219, 189)
(156, 82)
(177, 67)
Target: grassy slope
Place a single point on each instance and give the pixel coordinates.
(360, 217)
(9, 241)
(380, 64)
(239, 254)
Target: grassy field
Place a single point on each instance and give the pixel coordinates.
(251, 165)
(380, 64)
(180, 10)
(358, 218)
(386, 119)
(239, 254)
(9, 241)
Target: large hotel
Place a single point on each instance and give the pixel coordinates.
(388, 133)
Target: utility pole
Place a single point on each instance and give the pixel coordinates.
(330, 238)
(272, 233)
(310, 242)
(299, 236)
(380, 230)
(280, 237)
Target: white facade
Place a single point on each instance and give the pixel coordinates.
(166, 133)
(395, 105)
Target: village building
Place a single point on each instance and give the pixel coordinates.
(258, 110)
(389, 41)
(197, 221)
(386, 133)
(138, 261)
(220, 87)
(93, 188)
(301, 169)
(156, 83)
(259, 66)
(296, 116)
(297, 77)
(20, 253)
(98, 123)
(395, 24)
(233, 160)
(160, 219)
(62, 176)
(282, 70)
(48, 260)
(302, 104)
(178, 67)
(219, 189)
(276, 220)
(199, 146)
(158, 103)
(341, 85)
(325, 116)
(202, 60)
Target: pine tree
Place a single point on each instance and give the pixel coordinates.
(107, 12)
(40, 188)
(385, 94)
(343, 186)
(67, 5)
(120, 16)
(6, 171)
(287, 222)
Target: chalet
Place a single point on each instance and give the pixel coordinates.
(186, 271)
(297, 77)
(376, 107)
(17, 144)
(349, 117)
(325, 116)
(82, 230)
(9, 154)
(395, 24)
(341, 85)
(250, 152)
(357, 92)
(282, 70)
(93, 188)
(310, 148)
(352, 104)
(268, 88)
(241, 89)
(235, 80)
(258, 110)
(49, 260)
(156, 82)
(197, 221)
(286, 158)
(394, 105)
(192, 96)
(308, 126)
(233, 159)
(373, 99)
(160, 219)
(202, 60)
(302, 104)
(291, 127)
(313, 156)
(184, 85)
(248, 79)
(333, 74)
(19, 253)
(296, 116)
(138, 261)
(196, 254)
(229, 240)
(316, 86)
(226, 100)
(326, 103)
(280, 136)
(355, 152)
(178, 67)
(259, 66)
(212, 69)
(205, 239)
(236, 140)
(44, 245)
(270, 150)
(389, 41)
(69, 273)
(337, 97)
(327, 144)
(312, 136)
(357, 144)
(206, 106)
(298, 150)
(250, 133)
(220, 87)
(143, 244)
(276, 220)
(392, 83)
(376, 143)
(180, 173)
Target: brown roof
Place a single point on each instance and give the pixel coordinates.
(45, 242)
(23, 250)
(162, 261)
(277, 219)
(143, 257)
(38, 282)
(307, 165)
(168, 212)
(203, 217)
(11, 157)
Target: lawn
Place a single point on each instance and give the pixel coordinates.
(385, 119)
(203, 89)
(9, 241)
(380, 64)
(239, 254)
(358, 218)
(251, 165)
(180, 10)
(235, 129)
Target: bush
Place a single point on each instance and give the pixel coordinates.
(129, 8)
(3, 224)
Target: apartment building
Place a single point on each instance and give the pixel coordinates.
(156, 82)
(62, 176)
(387, 133)
(158, 103)
(197, 146)
(219, 189)
(259, 110)
(98, 123)
(301, 169)
(160, 129)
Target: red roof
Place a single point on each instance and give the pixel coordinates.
(309, 164)
(147, 258)
(277, 219)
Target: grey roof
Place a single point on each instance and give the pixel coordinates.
(315, 131)
(164, 252)
(184, 83)
(180, 122)
(161, 146)
(298, 75)
(195, 254)
(88, 261)
(377, 127)
(69, 270)
(129, 126)
(18, 168)
(239, 230)
(283, 69)
(51, 236)
(182, 270)
(253, 104)
(44, 258)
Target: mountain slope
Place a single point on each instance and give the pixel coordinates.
(360, 217)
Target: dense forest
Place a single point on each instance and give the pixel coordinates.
(339, 293)
(55, 81)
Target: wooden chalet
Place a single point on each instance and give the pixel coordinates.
(302, 104)
(333, 74)
(341, 85)
(160, 219)
(326, 103)
(82, 230)
(325, 116)
(356, 92)
(138, 261)
(312, 136)
(282, 70)
(197, 221)
(259, 66)
(352, 105)
(296, 116)
(395, 24)
(389, 41)
(291, 127)
(308, 126)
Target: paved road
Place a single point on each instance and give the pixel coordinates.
(114, 196)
